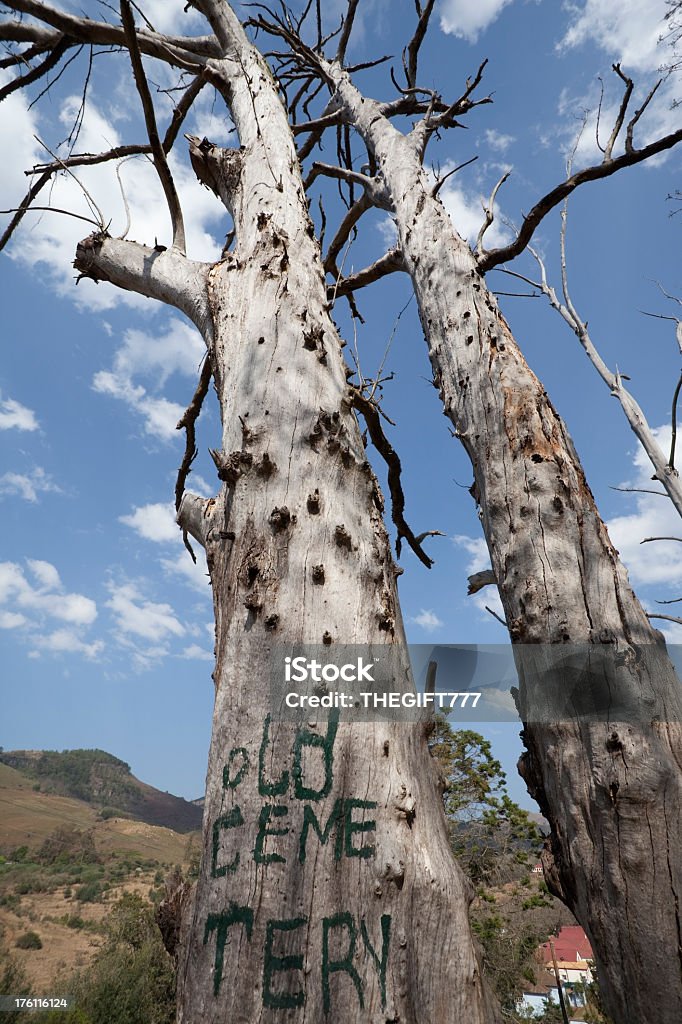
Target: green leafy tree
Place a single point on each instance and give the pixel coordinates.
(492, 837)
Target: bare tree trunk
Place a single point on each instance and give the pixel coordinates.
(610, 789)
(327, 886)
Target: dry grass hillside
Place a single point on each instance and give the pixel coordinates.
(62, 867)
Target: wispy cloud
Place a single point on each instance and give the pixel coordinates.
(137, 617)
(627, 29)
(154, 356)
(196, 653)
(427, 620)
(658, 563)
(15, 416)
(27, 486)
(65, 641)
(41, 597)
(46, 595)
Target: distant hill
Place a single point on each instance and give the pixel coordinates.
(105, 782)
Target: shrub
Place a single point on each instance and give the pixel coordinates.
(29, 940)
(91, 892)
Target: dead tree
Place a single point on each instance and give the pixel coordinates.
(611, 783)
(310, 937)
(327, 887)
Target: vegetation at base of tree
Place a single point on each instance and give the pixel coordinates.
(493, 838)
(495, 842)
(29, 940)
(130, 981)
(13, 982)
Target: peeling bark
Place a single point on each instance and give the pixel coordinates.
(611, 790)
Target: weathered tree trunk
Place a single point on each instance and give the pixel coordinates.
(327, 887)
(611, 789)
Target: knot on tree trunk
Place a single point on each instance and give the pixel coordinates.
(217, 168)
(87, 253)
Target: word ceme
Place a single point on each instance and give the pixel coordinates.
(346, 821)
(299, 670)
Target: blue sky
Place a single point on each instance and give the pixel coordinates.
(105, 624)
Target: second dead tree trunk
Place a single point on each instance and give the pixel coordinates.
(611, 789)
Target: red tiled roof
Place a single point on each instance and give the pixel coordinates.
(570, 944)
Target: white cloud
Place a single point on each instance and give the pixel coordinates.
(467, 19)
(41, 597)
(27, 486)
(154, 522)
(498, 140)
(195, 652)
(48, 240)
(45, 573)
(427, 620)
(12, 620)
(465, 208)
(64, 641)
(155, 357)
(14, 415)
(160, 416)
(629, 30)
(141, 618)
(479, 559)
(196, 575)
(174, 17)
(179, 350)
(46, 596)
(659, 562)
(477, 549)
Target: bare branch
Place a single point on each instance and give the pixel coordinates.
(638, 114)
(347, 225)
(668, 618)
(158, 154)
(639, 490)
(388, 264)
(53, 58)
(553, 198)
(673, 440)
(664, 470)
(23, 208)
(157, 273)
(441, 181)
(648, 540)
(479, 580)
(346, 30)
(415, 43)
(629, 85)
(372, 186)
(496, 616)
(181, 51)
(188, 423)
(489, 211)
(372, 418)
